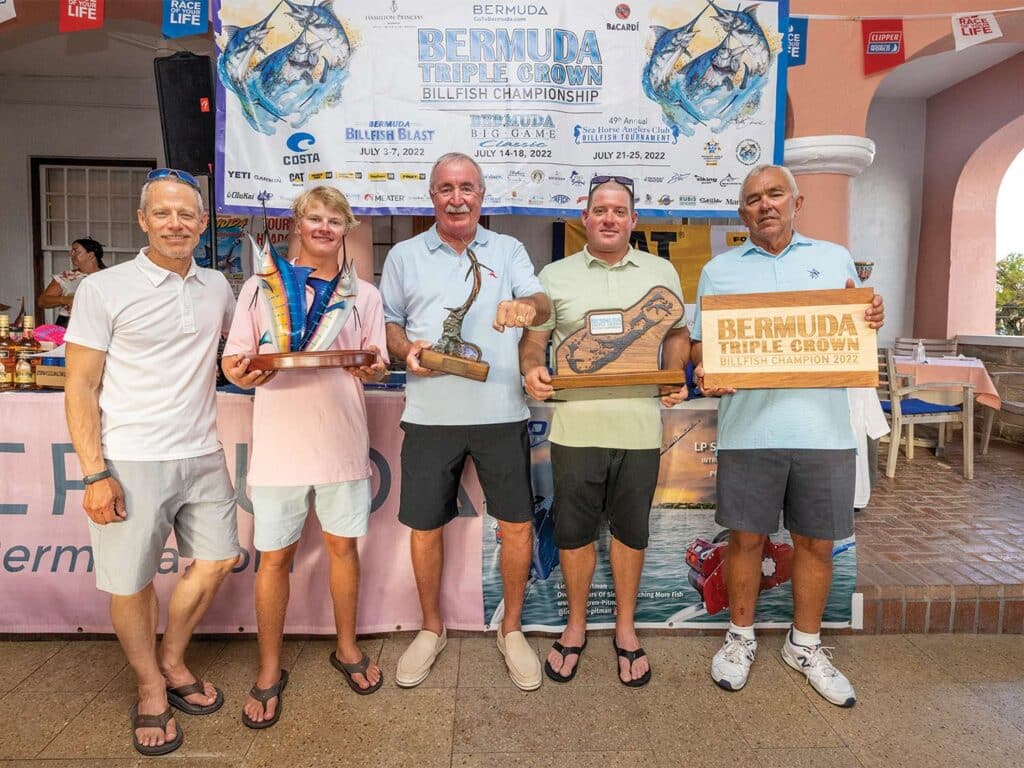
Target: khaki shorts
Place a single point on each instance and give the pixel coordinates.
(193, 497)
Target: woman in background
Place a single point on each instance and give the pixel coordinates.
(86, 258)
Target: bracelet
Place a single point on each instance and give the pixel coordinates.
(90, 479)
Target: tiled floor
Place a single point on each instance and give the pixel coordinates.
(923, 701)
(938, 553)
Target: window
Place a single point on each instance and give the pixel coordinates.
(77, 198)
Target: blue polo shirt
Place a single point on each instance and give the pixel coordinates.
(422, 276)
(780, 418)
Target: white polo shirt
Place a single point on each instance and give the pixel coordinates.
(160, 334)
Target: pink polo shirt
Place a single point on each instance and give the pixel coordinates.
(309, 425)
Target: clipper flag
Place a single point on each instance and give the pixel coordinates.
(7, 11)
(185, 17)
(76, 15)
(884, 44)
(973, 28)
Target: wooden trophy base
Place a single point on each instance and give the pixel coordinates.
(457, 366)
(618, 379)
(331, 358)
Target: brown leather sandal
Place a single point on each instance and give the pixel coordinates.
(176, 698)
(263, 695)
(155, 721)
(358, 668)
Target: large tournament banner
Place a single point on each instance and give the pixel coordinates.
(544, 94)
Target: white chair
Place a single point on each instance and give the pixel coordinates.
(1008, 380)
(906, 410)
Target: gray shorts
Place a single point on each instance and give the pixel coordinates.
(813, 489)
(279, 512)
(194, 497)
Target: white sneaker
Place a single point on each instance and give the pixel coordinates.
(816, 664)
(414, 665)
(731, 665)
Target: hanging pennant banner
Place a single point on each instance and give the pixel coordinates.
(973, 28)
(883, 44)
(685, 97)
(796, 41)
(7, 11)
(185, 17)
(77, 15)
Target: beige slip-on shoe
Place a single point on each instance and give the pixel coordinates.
(415, 663)
(521, 660)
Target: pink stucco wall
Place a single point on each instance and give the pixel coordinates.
(956, 255)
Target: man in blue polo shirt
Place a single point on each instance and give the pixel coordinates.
(448, 418)
(788, 449)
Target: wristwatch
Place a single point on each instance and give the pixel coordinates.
(90, 479)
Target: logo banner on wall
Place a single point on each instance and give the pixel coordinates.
(78, 15)
(973, 28)
(884, 44)
(185, 17)
(543, 95)
(796, 41)
(7, 11)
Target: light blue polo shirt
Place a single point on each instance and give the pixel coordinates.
(422, 277)
(780, 418)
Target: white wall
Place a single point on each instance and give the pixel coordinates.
(65, 117)
(885, 208)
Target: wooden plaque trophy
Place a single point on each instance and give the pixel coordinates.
(619, 347)
(452, 354)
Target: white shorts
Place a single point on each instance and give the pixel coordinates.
(279, 511)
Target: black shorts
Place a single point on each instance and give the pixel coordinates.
(594, 484)
(432, 461)
(814, 490)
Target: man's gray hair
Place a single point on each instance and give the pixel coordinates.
(145, 192)
(452, 157)
(757, 170)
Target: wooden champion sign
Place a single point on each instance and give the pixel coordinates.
(791, 339)
(619, 347)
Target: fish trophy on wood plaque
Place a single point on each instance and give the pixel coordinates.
(453, 354)
(300, 336)
(620, 347)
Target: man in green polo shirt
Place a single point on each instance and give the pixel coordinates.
(604, 452)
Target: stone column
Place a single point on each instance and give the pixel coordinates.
(824, 166)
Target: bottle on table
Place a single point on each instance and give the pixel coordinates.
(7, 354)
(25, 364)
(919, 353)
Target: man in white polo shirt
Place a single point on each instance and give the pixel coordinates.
(141, 409)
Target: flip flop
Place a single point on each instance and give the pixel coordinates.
(630, 656)
(154, 721)
(176, 698)
(263, 695)
(565, 651)
(358, 668)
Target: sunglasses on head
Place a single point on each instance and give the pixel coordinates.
(182, 176)
(625, 181)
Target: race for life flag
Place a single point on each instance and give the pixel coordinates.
(884, 44)
(973, 28)
(796, 41)
(76, 15)
(185, 17)
(7, 11)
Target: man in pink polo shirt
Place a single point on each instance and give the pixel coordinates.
(310, 443)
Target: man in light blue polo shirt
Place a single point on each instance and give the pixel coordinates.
(448, 418)
(788, 449)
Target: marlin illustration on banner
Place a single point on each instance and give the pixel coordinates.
(294, 81)
(720, 85)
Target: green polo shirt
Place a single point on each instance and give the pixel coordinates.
(581, 283)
